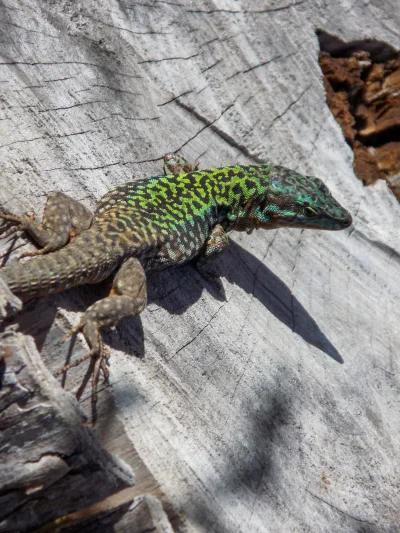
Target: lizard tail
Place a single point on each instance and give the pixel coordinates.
(87, 259)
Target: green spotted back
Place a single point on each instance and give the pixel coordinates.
(169, 218)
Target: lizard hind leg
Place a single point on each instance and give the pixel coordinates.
(63, 217)
(128, 298)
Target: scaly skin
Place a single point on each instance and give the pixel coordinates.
(155, 223)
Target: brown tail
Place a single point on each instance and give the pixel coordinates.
(85, 260)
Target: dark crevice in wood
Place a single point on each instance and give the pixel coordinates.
(362, 83)
(378, 51)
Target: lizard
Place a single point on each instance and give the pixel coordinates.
(153, 223)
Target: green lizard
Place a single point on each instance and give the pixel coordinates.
(155, 223)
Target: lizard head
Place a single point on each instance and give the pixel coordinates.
(294, 200)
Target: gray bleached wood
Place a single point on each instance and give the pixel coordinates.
(51, 465)
(240, 408)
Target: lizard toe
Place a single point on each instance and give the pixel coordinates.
(72, 331)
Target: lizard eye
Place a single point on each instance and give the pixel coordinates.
(310, 212)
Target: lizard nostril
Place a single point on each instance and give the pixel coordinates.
(349, 221)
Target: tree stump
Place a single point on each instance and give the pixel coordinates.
(275, 408)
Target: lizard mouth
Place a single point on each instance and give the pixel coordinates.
(323, 222)
(326, 222)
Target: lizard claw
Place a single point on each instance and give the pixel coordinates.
(20, 222)
(72, 332)
(99, 365)
(75, 363)
(32, 254)
(104, 364)
(212, 279)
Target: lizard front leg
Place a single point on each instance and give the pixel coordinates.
(176, 164)
(218, 241)
(128, 298)
(63, 218)
(216, 245)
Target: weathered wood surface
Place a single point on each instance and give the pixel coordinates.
(54, 472)
(143, 514)
(276, 408)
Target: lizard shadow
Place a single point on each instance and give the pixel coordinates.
(176, 290)
(279, 300)
(243, 269)
(38, 319)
